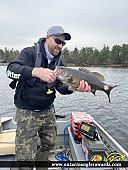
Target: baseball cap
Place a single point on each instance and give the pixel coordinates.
(58, 30)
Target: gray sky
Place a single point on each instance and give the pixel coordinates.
(91, 23)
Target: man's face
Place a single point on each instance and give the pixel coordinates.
(55, 44)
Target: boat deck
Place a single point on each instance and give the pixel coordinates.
(75, 149)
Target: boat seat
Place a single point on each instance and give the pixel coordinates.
(7, 141)
(7, 135)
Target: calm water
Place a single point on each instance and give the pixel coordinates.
(112, 116)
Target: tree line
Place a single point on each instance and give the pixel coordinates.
(7, 55)
(86, 56)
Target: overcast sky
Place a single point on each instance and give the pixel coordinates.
(91, 23)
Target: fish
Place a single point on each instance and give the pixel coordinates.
(72, 77)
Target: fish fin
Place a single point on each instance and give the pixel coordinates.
(84, 70)
(98, 75)
(93, 91)
(71, 88)
(70, 80)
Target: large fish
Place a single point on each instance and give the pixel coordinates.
(72, 77)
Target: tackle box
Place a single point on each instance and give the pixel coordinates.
(94, 150)
(75, 120)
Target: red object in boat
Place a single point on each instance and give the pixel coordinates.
(75, 120)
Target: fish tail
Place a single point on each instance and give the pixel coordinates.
(108, 92)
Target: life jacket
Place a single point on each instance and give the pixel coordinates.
(37, 64)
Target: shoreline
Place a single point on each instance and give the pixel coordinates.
(4, 64)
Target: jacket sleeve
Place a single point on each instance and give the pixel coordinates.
(21, 67)
(62, 88)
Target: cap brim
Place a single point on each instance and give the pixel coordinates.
(67, 36)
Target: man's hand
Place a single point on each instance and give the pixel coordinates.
(84, 87)
(44, 74)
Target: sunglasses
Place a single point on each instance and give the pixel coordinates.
(58, 41)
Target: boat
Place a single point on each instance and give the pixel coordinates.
(66, 142)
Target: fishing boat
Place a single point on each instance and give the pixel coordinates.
(77, 147)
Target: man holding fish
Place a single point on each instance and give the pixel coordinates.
(35, 81)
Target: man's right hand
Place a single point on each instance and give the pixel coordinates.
(44, 74)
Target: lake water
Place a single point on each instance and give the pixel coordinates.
(113, 117)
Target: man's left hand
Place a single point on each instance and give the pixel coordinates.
(84, 87)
